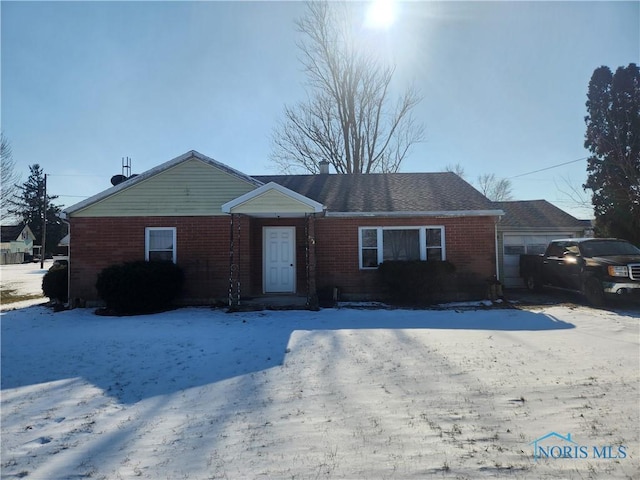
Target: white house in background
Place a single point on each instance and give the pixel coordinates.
(16, 241)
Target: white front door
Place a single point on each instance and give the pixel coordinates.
(279, 259)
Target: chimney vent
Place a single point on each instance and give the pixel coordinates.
(323, 165)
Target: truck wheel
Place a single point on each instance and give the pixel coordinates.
(593, 291)
(532, 283)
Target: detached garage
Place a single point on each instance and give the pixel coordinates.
(527, 227)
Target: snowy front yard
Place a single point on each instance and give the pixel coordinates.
(340, 393)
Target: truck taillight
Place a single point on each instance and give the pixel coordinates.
(618, 271)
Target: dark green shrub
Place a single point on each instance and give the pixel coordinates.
(328, 296)
(140, 287)
(417, 282)
(55, 283)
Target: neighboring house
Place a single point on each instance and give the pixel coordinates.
(527, 227)
(239, 236)
(17, 240)
(62, 249)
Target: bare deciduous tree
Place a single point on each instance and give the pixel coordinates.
(496, 189)
(9, 178)
(347, 119)
(574, 193)
(457, 169)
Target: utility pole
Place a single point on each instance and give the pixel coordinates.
(44, 224)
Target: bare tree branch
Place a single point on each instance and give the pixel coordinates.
(575, 194)
(457, 169)
(347, 119)
(9, 178)
(496, 189)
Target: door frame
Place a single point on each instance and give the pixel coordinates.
(265, 255)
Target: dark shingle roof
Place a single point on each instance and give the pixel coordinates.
(536, 214)
(386, 192)
(9, 233)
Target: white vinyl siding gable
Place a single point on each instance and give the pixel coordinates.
(191, 188)
(272, 201)
(377, 244)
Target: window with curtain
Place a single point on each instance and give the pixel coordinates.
(401, 244)
(160, 244)
(378, 244)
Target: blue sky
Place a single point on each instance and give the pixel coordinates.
(504, 85)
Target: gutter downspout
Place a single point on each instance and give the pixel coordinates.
(497, 253)
(63, 217)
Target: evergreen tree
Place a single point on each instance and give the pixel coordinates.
(28, 204)
(613, 138)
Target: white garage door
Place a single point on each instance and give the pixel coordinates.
(515, 245)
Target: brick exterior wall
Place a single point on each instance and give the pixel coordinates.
(203, 251)
(469, 242)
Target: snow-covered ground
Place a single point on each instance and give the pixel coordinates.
(26, 278)
(342, 393)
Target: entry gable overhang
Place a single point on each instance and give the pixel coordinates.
(273, 200)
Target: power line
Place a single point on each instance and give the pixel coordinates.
(549, 168)
(76, 175)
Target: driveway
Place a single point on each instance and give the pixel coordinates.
(548, 297)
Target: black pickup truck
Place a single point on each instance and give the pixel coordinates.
(594, 267)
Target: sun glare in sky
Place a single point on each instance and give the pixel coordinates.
(381, 14)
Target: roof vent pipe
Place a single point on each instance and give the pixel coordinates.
(323, 165)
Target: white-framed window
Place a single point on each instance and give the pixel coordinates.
(434, 237)
(160, 244)
(377, 244)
